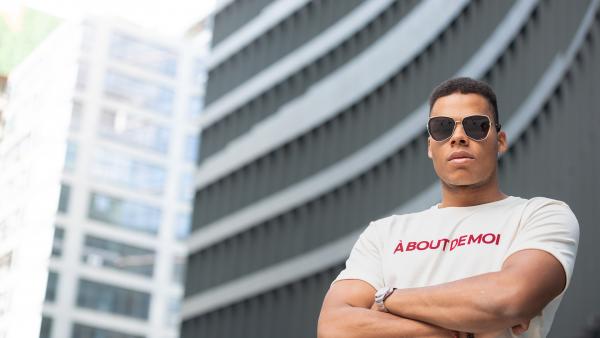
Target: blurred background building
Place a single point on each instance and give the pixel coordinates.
(116, 109)
(315, 125)
(39, 69)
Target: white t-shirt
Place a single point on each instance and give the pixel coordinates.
(440, 245)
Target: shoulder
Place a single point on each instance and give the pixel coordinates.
(550, 211)
(545, 204)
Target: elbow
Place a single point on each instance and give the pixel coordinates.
(324, 333)
(326, 330)
(514, 305)
(329, 326)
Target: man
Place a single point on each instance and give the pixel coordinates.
(478, 264)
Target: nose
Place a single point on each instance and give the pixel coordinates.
(459, 135)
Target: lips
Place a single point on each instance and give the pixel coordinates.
(460, 157)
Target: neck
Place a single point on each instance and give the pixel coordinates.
(470, 195)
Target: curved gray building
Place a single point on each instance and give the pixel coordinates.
(315, 125)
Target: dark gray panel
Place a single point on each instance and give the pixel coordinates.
(308, 226)
(359, 124)
(557, 157)
(283, 38)
(217, 135)
(290, 311)
(234, 16)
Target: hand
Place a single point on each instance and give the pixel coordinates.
(374, 307)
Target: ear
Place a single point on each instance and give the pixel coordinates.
(502, 142)
(429, 148)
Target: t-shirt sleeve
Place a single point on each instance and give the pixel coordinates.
(551, 226)
(364, 262)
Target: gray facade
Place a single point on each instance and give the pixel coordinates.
(282, 194)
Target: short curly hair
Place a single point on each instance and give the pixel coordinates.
(466, 85)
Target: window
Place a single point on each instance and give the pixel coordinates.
(199, 73)
(183, 225)
(65, 195)
(127, 214)
(113, 299)
(173, 312)
(122, 170)
(143, 54)
(191, 148)
(105, 253)
(178, 269)
(84, 331)
(51, 286)
(88, 37)
(57, 243)
(46, 328)
(138, 92)
(5, 297)
(186, 188)
(5, 263)
(82, 76)
(71, 156)
(137, 131)
(9, 226)
(196, 105)
(76, 115)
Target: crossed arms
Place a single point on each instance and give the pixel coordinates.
(510, 298)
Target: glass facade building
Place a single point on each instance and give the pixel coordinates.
(117, 261)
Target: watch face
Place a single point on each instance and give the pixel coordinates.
(381, 293)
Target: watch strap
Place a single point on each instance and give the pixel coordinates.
(381, 295)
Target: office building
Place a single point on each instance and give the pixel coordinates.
(315, 125)
(125, 181)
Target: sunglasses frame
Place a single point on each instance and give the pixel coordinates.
(496, 124)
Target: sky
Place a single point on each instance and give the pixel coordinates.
(168, 17)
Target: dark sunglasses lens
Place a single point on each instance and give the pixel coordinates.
(476, 127)
(440, 128)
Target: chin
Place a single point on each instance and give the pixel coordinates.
(465, 181)
(462, 182)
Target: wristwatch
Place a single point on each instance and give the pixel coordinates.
(381, 295)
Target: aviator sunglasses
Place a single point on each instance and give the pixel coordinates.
(476, 127)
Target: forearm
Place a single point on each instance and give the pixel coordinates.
(476, 304)
(349, 322)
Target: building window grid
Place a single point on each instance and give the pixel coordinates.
(58, 241)
(64, 198)
(139, 93)
(183, 225)
(51, 287)
(195, 106)
(113, 299)
(85, 331)
(133, 130)
(102, 252)
(136, 52)
(186, 187)
(123, 213)
(46, 327)
(76, 115)
(191, 148)
(122, 170)
(71, 156)
(82, 75)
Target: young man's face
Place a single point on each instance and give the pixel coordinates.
(477, 160)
